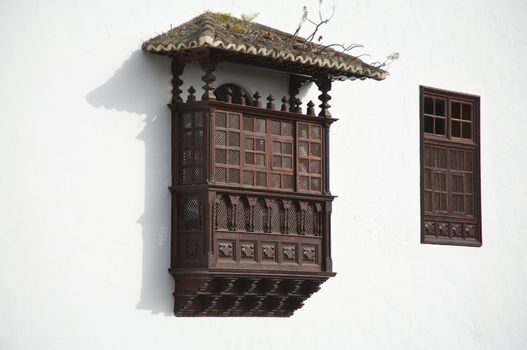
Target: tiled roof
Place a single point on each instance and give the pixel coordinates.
(256, 42)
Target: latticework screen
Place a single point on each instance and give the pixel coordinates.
(191, 147)
(260, 152)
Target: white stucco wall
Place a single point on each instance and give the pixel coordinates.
(84, 148)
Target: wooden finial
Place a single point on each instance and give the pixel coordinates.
(257, 102)
(310, 109)
(229, 95)
(298, 108)
(191, 92)
(243, 98)
(270, 104)
(285, 104)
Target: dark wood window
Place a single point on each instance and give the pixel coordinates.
(309, 157)
(191, 148)
(450, 168)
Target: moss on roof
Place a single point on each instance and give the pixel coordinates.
(244, 38)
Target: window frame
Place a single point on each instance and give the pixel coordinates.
(451, 143)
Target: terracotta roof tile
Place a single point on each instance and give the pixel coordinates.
(245, 39)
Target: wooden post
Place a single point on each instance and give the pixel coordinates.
(177, 71)
(208, 64)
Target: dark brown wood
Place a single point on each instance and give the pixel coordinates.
(208, 64)
(257, 102)
(270, 103)
(285, 104)
(177, 70)
(450, 168)
(323, 82)
(250, 210)
(191, 97)
(310, 108)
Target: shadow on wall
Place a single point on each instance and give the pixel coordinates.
(142, 86)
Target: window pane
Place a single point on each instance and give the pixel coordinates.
(440, 107)
(221, 156)
(233, 121)
(315, 149)
(221, 138)
(467, 130)
(456, 128)
(275, 127)
(302, 148)
(260, 145)
(429, 124)
(287, 162)
(277, 161)
(249, 143)
(234, 139)
(248, 178)
(315, 132)
(234, 157)
(277, 147)
(439, 126)
(303, 165)
(429, 105)
(314, 166)
(234, 175)
(260, 126)
(287, 129)
(259, 159)
(467, 111)
(302, 131)
(221, 120)
(456, 110)
(287, 148)
(249, 158)
(248, 123)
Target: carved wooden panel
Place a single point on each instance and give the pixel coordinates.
(220, 295)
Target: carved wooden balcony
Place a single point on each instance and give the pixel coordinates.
(251, 201)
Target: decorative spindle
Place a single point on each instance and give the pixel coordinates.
(297, 103)
(208, 78)
(324, 85)
(229, 95)
(270, 104)
(177, 70)
(243, 98)
(295, 84)
(257, 102)
(310, 109)
(285, 104)
(191, 92)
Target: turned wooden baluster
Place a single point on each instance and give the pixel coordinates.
(324, 85)
(208, 65)
(177, 71)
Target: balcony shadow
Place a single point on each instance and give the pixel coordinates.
(142, 86)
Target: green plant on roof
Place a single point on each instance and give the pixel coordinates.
(224, 17)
